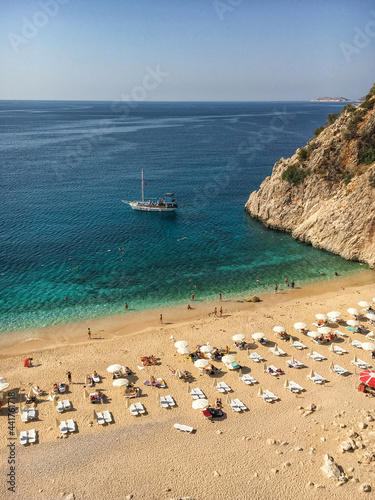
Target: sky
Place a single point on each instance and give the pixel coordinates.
(186, 50)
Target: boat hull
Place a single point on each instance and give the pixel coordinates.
(147, 208)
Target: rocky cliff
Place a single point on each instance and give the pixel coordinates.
(325, 193)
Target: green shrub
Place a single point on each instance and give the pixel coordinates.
(349, 108)
(295, 175)
(368, 155)
(331, 118)
(318, 131)
(371, 93)
(368, 104)
(347, 177)
(303, 153)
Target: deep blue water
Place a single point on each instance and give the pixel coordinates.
(64, 232)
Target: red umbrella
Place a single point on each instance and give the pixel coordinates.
(368, 377)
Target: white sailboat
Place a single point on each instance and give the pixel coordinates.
(166, 204)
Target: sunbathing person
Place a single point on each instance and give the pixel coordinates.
(95, 374)
(37, 391)
(126, 370)
(218, 404)
(90, 381)
(55, 389)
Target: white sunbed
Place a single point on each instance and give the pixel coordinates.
(63, 427)
(32, 436)
(247, 379)
(357, 344)
(100, 418)
(223, 387)
(140, 407)
(339, 350)
(107, 416)
(316, 356)
(163, 402)
(268, 396)
(340, 334)
(234, 405)
(317, 379)
(298, 345)
(199, 393)
(170, 400)
(184, 428)
(60, 407)
(23, 437)
(256, 357)
(272, 370)
(96, 379)
(66, 404)
(240, 404)
(279, 351)
(193, 394)
(339, 370)
(133, 410)
(294, 387)
(295, 364)
(32, 413)
(25, 415)
(361, 364)
(71, 425)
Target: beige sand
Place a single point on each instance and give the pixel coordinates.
(230, 458)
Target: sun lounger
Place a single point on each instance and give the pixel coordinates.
(256, 357)
(60, 407)
(170, 400)
(298, 345)
(339, 350)
(25, 415)
(294, 387)
(66, 404)
(163, 402)
(107, 416)
(266, 398)
(354, 330)
(357, 344)
(340, 334)
(271, 395)
(23, 437)
(339, 370)
(193, 394)
(207, 415)
(32, 413)
(240, 404)
(96, 379)
(199, 393)
(140, 407)
(32, 436)
(71, 425)
(223, 387)
(316, 356)
(279, 351)
(294, 364)
(63, 427)
(230, 366)
(247, 379)
(317, 379)
(133, 410)
(100, 418)
(361, 364)
(234, 405)
(184, 428)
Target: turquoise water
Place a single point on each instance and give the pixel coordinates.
(71, 250)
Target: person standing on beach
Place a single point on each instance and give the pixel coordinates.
(126, 305)
(161, 319)
(220, 295)
(276, 288)
(221, 311)
(293, 284)
(215, 311)
(286, 281)
(69, 377)
(192, 296)
(89, 333)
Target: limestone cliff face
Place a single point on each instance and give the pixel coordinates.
(325, 193)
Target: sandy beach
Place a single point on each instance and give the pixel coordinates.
(272, 450)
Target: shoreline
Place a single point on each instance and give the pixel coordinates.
(140, 322)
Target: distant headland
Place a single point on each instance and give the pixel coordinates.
(331, 99)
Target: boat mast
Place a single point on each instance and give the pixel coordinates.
(143, 197)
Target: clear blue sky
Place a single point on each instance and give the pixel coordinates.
(204, 49)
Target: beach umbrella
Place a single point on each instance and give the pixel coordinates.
(286, 383)
(114, 368)
(201, 363)
(157, 397)
(57, 422)
(126, 402)
(275, 348)
(279, 329)
(265, 368)
(181, 343)
(373, 299)
(352, 322)
(334, 314)
(257, 336)
(368, 377)
(365, 304)
(260, 392)
(228, 358)
(30, 394)
(94, 415)
(370, 316)
(312, 374)
(120, 382)
(228, 400)
(353, 312)
(368, 346)
(322, 317)
(183, 350)
(300, 326)
(324, 329)
(239, 337)
(311, 352)
(313, 334)
(2, 380)
(206, 348)
(54, 401)
(178, 373)
(200, 404)
(85, 394)
(292, 360)
(332, 348)
(355, 358)
(3, 386)
(188, 388)
(371, 336)
(291, 340)
(331, 367)
(214, 384)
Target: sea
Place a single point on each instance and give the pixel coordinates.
(71, 250)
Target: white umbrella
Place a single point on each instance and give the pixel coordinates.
(201, 363)
(260, 392)
(371, 336)
(373, 299)
(365, 304)
(353, 312)
(183, 350)
(279, 329)
(257, 336)
(368, 346)
(370, 316)
(334, 314)
(3, 386)
(275, 349)
(355, 358)
(199, 404)
(332, 348)
(300, 326)
(2, 380)
(323, 317)
(239, 337)
(324, 329)
(286, 383)
(313, 334)
(352, 322)
(312, 374)
(206, 348)
(228, 358)
(120, 382)
(114, 368)
(181, 343)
